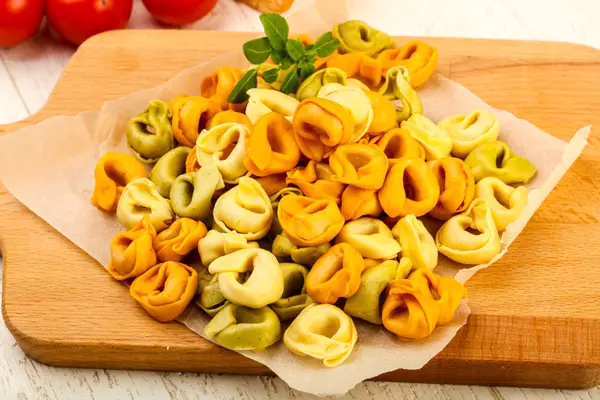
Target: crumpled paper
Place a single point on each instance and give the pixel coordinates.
(57, 157)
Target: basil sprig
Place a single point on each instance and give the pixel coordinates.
(289, 55)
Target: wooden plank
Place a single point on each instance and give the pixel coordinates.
(535, 321)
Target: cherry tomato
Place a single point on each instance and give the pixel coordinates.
(77, 20)
(179, 12)
(19, 20)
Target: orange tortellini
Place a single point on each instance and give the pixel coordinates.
(357, 202)
(398, 143)
(315, 181)
(226, 116)
(179, 239)
(457, 186)
(132, 252)
(218, 86)
(420, 59)
(360, 165)
(190, 116)
(384, 114)
(360, 66)
(447, 292)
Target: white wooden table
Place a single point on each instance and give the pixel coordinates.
(28, 74)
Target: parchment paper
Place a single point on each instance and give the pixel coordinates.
(56, 160)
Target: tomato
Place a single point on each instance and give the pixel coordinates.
(19, 20)
(77, 20)
(179, 12)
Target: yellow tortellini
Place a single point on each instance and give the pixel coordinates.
(140, 198)
(353, 99)
(397, 88)
(265, 101)
(244, 209)
(357, 37)
(217, 244)
(191, 193)
(241, 328)
(294, 298)
(211, 299)
(249, 277)
(310, 86)
(416, 242)
(283, 248)
(435, 140)
(506, 202)
(455, 241)
(371, 237)
(225, 147)
(470, 130)
(324, 332)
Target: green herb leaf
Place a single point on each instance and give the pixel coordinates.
(270, 75)
(309, 47)
(295, 49)
(258, 50)
(247, 82)
(306, 70)
(276, 56)
(276, 29)
(326, 44)
(290, 82)
(286, 61)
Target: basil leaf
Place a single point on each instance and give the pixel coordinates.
(326, 44)
(276, 29)
(295, 49)
(290, 82)
(258, 50)
(248, 81)
(286, 62)
(309, 47)
(276, 56)
(306, 70)
(270, 75)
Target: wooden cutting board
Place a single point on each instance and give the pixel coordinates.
(536, 313)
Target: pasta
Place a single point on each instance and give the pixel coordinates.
(179, 239)
(358, 37)
(371, 237)
(190, 116)
(140, 198)
(283, 248)
(457, 186)
(224, 146)
(191, 193)
(218, 86)
(384, 114)
(363, 69)
(132, 252)
(435, 140)
(265, 101)
(169, 167)
(505, 202)
(398, 143)
(358, 202)
(218, 244)
(294, 298)
(419, 58)
(316, 181)
(496, 160)
(149, 135)
(416, 242)
(310, 86)
(360, 165)
(469, 131)
(397, 87)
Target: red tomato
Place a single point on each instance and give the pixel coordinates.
(19, 20)
(179, 12)
(77, 20)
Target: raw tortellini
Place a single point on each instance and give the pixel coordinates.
(310, 86)
(324, 332)
(371, 237)
(140, 198)
(357, 202)
(249, 277)
(228, 116)
(294, 298)
(384, 114)
(190, 116)
(132, 252)
(165, 290)
(149, 135)
(211, 299)
(359, 165)
(362, 70)
(506, 203)
(457, 186)
(446, 291)
(113, 172)
(419, 58)
(217, 244)
(191, 193)
(169, 167)
(357, 37)
(416, 242)
(244, 209)
(179, 239)
(495, 159)
(397, 87)
(282, 247)
(265, 101)
(237, 327)
(398, 143)
(218, 86)
(455, 241)
(469, 131)
(435, 140)
(316, 181)
(224, 146)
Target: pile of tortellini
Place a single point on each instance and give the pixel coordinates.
(304, 208)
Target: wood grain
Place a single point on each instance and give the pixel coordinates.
(535, 321)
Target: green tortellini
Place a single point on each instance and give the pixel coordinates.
(310, 86)
(191, 193)
(397, 88)
(140, 198)
(149, 135)
(211, 299)
(357, 37)
(435, 140)
(242, 328)
(294, 298)
(495, 159)
(169, 167)
(283, 249)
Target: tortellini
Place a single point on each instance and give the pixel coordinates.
(191, 193)
(294, 298)
(315, 181)
(506, 203)
(165, 290)
(324, 332)
(435, 140)
(470, 130)
(227, 116)
(410, 188)
(169, 167)
(363, 70)
(419, 58)
(225, 146)
(132, 252)
(495, 159)
(457, 186)
(360, 165)
(335, 274)
(265, 101)
(384, 114)
(191, 162)
(271, 148)
(353, 99)
(397, 87)
(310, 86)
(140, 198)
(446, 291)
(357, 37)
(190, 116)
(417, 243)
(320, 125)
(218, 86)
(217, 244)
(398, 143)
(244, 209)
(309, 222)
(179, 239)
(455, 241)
(249, 277)
(211, 299)
(272, 184)
(113, 172)
(357, 202)
(371, 237)
(241, 328)
(149, 135)
(282, 247)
